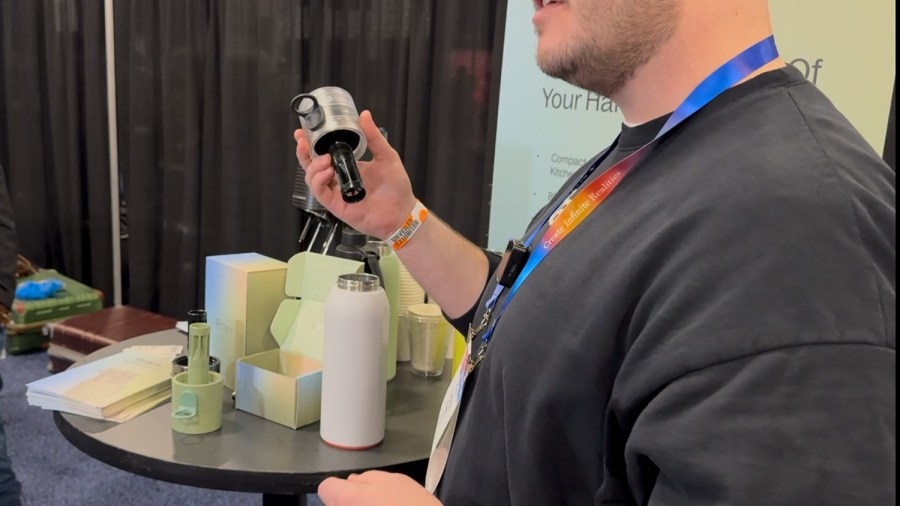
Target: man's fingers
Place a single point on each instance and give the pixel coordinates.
(378, 145)
(319, 178)
(303, 157)
(329, 486)
(374, 487)
(338, 492)
(319, 172)
(321, 181)
(369, 476)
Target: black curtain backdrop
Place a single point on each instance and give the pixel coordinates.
(206, 159)
(206, 146)
(53, 134)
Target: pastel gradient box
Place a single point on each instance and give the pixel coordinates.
(243, 292)
(284, 385)
(279, 386)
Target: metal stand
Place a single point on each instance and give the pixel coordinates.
(284, 500)
(319, 231)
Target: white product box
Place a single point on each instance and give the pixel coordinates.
(242, 295)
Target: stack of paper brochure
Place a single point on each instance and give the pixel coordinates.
(116, 388)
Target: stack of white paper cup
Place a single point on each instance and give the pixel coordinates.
(410, 293)
(428, 333)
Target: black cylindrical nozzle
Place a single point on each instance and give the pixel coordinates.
(196, 316)
(347, 172)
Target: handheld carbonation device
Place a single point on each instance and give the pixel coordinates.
(331, 123)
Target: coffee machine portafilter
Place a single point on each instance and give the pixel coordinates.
(330, 121)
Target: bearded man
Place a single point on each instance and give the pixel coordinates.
(704, 314)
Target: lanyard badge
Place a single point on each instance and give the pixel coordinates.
(512, 263)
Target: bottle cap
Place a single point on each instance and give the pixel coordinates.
(196, 315)
(352, 237)
(358, 282)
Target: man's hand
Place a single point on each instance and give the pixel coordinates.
(451, 269)
(375, 488)
(389, 196)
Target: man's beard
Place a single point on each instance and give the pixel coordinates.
(601, 73)
(605, 62)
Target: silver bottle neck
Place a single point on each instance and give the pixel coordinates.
(358, 282)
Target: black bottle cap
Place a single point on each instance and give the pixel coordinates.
(196, 316)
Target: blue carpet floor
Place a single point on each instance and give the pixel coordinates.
(53, 472)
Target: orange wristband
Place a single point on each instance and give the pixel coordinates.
(415, 219)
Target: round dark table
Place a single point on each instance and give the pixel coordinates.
(252, 454)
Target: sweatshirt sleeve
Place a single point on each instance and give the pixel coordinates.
(798, 425)
(462, 323)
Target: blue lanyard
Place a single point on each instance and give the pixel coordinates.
(726, 76)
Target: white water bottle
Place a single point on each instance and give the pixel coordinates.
(354, 386)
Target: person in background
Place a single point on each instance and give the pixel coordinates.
(706, 313)
(10, 489)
